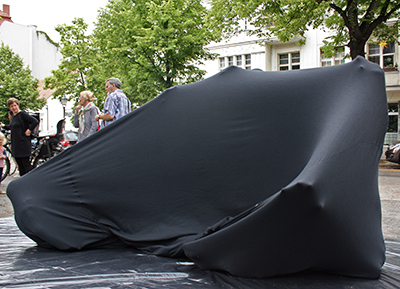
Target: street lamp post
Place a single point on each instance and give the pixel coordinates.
(64, 101)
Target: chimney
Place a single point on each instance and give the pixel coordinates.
(5, 14)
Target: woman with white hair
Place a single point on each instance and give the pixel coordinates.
(85, 112)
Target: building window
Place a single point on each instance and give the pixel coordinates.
(248, 61)
(239, 61)
(243, 61)
(383, 55)
(230, 60)
(337, 59)
(222, 63)
(289, 61)
(393, 115)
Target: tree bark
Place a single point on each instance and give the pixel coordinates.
(357, 48)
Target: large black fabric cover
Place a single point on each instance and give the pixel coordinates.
(252, 173)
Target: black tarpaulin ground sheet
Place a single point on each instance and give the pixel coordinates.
(24, 265)
(250, 173)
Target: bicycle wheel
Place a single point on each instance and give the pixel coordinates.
(13, 162)
(13, 166)
(6, 169)
(39, 160)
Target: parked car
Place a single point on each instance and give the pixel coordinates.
(70, 138)
(393, 152)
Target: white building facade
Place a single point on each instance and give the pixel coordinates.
(42, 56)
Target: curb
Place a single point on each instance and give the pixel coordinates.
(388, 165)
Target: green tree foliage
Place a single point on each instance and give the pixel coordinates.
(17, 81)
(75, 73)
(353, 21)
(152, 45)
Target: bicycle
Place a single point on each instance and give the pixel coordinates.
(6, 168)
(47, 146)
(44, 149)
(10, 165)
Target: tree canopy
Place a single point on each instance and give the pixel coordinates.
(152, 45)
(352, 22)
(149, 45)
(16, 81)
(76, 71)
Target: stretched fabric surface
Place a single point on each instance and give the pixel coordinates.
(253, 173)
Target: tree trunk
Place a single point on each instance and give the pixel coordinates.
(357, 48)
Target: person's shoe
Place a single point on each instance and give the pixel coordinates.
(1, 192)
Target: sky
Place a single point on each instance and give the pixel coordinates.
(47, 14)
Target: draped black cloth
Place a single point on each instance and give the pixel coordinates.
(253, 173)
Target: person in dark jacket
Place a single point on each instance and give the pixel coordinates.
(21, 126)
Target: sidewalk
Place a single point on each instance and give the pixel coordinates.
(6, 208)
(388, 165)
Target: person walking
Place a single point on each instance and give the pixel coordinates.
(116, 105)
(85, 113)
(21, 126)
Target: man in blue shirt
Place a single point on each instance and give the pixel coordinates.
(116, 105)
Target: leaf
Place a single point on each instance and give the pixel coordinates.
(16, 81)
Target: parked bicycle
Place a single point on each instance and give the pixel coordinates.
(44, 149)
(47, 146)
(10, 165)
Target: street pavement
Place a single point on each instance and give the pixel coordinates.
(6, 209)
(389, 189)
